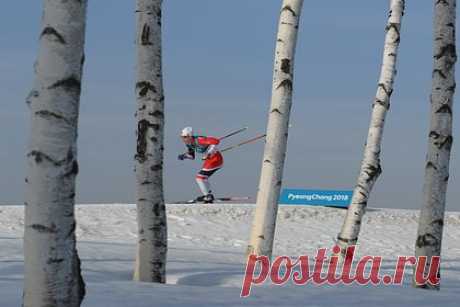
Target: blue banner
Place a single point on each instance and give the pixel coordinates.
(330, 198)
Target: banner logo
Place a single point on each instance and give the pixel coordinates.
(333, 198)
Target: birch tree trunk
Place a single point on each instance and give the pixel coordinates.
(263, 227)
(370, 166)
(151, 213)
(431, 222)
(52, 274)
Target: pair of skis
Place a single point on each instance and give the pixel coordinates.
(216, 200)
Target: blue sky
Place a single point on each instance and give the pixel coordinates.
(218, 59)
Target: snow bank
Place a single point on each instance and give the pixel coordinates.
(206, 256)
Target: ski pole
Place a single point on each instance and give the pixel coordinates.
(233, 133)
(245, 142)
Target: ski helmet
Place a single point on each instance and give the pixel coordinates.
(187, 131)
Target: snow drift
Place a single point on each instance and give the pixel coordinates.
(206, 256)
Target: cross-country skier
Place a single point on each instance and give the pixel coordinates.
(213, 160)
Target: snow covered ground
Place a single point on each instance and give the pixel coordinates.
(206, 257)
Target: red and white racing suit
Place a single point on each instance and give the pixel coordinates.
(213, 160)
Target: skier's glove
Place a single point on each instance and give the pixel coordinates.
(181, 157)
(205, 157)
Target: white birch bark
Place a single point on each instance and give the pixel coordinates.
(370, 166)
(151, 213)
(52, 274)
(263, 227)
(431, 222)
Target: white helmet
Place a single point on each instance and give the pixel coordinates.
(187, 131)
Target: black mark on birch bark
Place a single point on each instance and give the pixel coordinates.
(439, 222)
(394, 26)
(445, 109)
(142, 129)
(71, 83)
(426, 240)
(73, 170)
(387, 91)
(289, 8)
(276, 110)
(144, 87)
(286, 83)
(446, 50)
(159, 243)
(80, 283)
(156, 168)
(145, 35)
(40, 156)
(51, 32)
(156, 209)
(157, 114)
(441, 141)
(44, 229)
(385, 104)
(54, 260)
(431, 165)
(439, 72)
(372, 172)
(47, 114)
(286, 66)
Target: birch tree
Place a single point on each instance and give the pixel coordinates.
(431, 221)
(263, 227)
(151, 213)
(370, 166)
(52, 274)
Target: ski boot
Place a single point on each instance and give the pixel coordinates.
(208, 199)
(200, 199)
